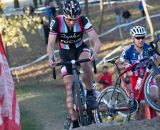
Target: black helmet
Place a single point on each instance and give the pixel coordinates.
(71, 9)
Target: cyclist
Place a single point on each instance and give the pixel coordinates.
(135, 52)
(68, 29)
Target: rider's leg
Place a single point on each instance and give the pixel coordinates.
(141, 112)
(154, 94)
(72, 113)
(87, 71)
(88, 80)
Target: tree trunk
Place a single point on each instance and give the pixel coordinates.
(148, 19)
(101, 15)
(35, 3)
(86, 8)
(16, 3)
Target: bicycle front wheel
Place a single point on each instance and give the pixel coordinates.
(152, 90)
(111, 98)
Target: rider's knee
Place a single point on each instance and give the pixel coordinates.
(86, 66)
(67, 80)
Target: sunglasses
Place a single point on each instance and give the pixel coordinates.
(71, 19)
(138, 38)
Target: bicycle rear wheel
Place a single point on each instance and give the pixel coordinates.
(119, 99)
(153, 82)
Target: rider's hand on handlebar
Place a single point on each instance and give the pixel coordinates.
(93, 56)
(52, 62)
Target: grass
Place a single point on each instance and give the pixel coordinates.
(27, 121)
(41, 102)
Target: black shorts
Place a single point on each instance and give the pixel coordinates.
(68, 55)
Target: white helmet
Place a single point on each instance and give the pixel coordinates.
(138, 31)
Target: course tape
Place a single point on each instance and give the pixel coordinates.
(85, 40)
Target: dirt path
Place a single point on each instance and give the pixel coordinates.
(153, 124)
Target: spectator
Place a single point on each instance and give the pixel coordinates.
(140, 7)
(44, 29)
(105, 78)
(126, 15)
(31, 8)
(53, 11)
(48, 12)
(118, 12)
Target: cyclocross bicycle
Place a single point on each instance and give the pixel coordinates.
(120, 102)
(78, 94)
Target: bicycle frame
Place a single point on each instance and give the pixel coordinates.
(121, 78)
(150, 66)
(78, 86)
(77, 91)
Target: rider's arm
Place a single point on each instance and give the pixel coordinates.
(94, 37)
(92, 34)
(52, 39)
(51, 45)
(123, 61)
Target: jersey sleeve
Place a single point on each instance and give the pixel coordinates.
(86, 23)
(54, 26)
(123, 56)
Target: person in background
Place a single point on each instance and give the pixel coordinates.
(48, 12)
(105, 78)
(126, 15)
(53, 11)
(43, 29)
(117, 11)
(140, 7)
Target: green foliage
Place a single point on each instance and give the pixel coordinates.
(11, 28)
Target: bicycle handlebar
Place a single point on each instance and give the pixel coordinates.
(134, 65)
(70, 63)
(111, 60)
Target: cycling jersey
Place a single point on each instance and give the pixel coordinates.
(131, 55)
(70, 38)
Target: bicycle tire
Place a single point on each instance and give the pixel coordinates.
(105, 116)
(152, 76)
